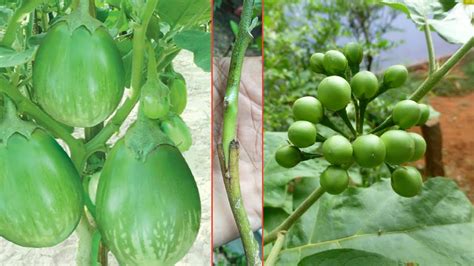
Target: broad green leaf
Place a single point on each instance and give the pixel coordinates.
(434, 228)
(450, 20)
(5, 14)
(417, 10)
(351, 257)
(116, 22)
(10, 57)
(456, 27)
(184, 12)
(199, 43)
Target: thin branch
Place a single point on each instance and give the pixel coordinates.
(432, 80)
(244, 37)
(307, 203)
(272, 258)
(232, 185)
(430, 47)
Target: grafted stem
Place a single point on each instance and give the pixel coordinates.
(231, 97)
(232, 185)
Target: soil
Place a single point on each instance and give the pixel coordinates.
(457, 127)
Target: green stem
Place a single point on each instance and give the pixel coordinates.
(309, 156)
(343, 114)
(432, 80)
(98, 142)
(429, 45)
(44, 21)
(357, 112)
(362, 108)
(81, 6)
(95, 248)
(233, 80)
(84, 232)
(15, 20)
(272, 258)
(320, 138)
(307, 203)
(328, 123)
(232, 185)
(25, 105)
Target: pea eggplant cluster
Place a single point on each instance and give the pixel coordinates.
(343, 84)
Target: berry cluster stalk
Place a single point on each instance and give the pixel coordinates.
(228, 150)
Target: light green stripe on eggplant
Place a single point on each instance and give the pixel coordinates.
(40, 191)
(148, 208)
(78, 75)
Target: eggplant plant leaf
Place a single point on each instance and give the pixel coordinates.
(10, 57)
(199, 43)
(434, 228)
(185, 13)
(345, 256)
(451, 20)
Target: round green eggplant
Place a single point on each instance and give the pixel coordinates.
(40, 191)
(148, 210)
(78, 75)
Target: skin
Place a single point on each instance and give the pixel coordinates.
(302, 134)
(337, 150)
(400, 147)
(406, 114)
(288, 156)
(316, 62)
(425, 114)
(334, 62)
(309, 109)
(420, 146)
(354, 53)
(407, 181)
(250, 136)
(334, 180)
(364, 85)
(334, 93)
(65, 96)
(395, 76)
(49, 179)
(369, 151)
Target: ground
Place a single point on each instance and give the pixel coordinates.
(457, 126)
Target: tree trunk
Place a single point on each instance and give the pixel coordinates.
(434, 149)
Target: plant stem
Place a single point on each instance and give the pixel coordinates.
(272, 258)
(232, 186)
(233, 80)
(84, 232)
(307, 203)
(362, 108)
(328, 123)
(95, 248)
(343, 114)
(357, 111)
(432, 80)
(429, 45)
(98, 142)
(15, 21)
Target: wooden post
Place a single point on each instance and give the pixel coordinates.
(434, 148)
